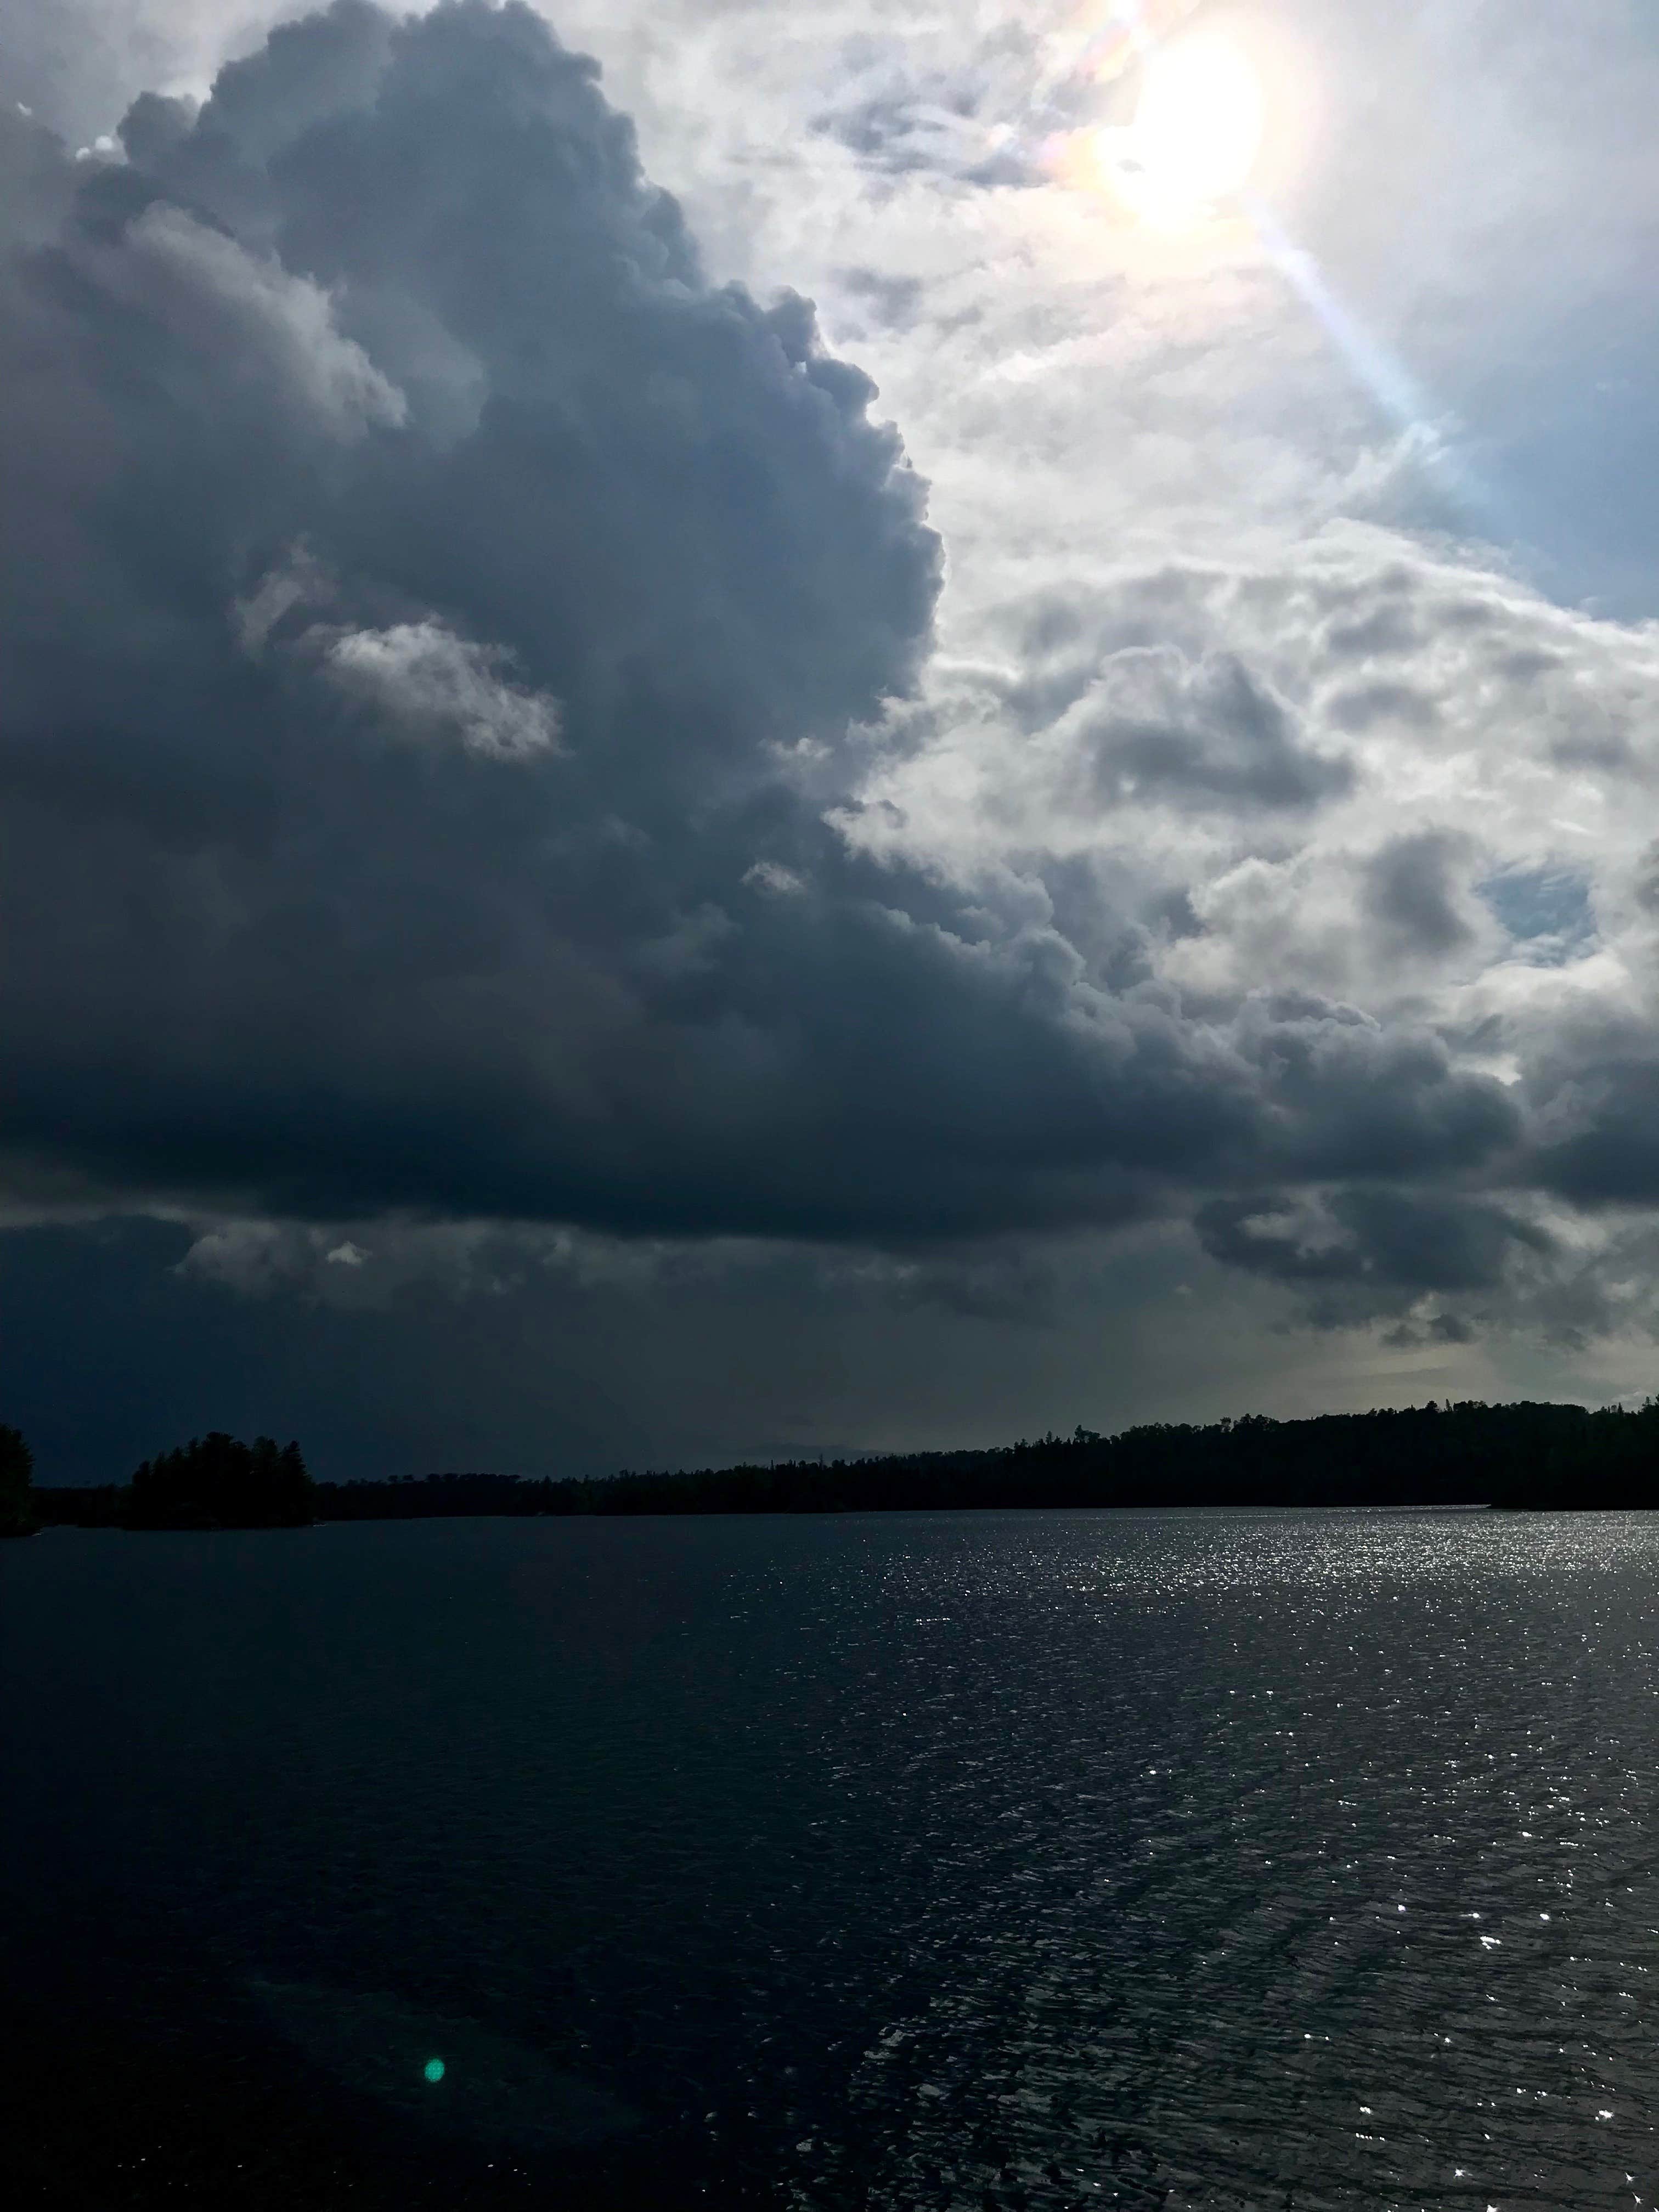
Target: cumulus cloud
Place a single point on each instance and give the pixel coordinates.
(483, 738)
(676, 519)
(1410, 892)
(424, 677)
(1365, 1235)
(1210, 735)
(277, 327)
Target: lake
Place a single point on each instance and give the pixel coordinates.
(1221, 1859)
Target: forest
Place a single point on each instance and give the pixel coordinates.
(212, 1482)
(1516, 1456)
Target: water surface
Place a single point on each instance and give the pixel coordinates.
(1220, 1859)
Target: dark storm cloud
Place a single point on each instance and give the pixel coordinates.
(1386, 1239)
(438, 616)
(1599, 1124)
(535, 1350)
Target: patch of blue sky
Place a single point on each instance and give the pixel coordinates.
(1547, 911)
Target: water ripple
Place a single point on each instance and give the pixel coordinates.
(1219, 1860)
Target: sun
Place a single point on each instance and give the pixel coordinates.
(1197, 132)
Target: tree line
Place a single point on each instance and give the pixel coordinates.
(1465, 1454)
(1516, 1456)
(214, 1481)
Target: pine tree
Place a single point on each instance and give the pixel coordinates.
(216, 1482)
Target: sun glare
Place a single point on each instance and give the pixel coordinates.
(1197, 132)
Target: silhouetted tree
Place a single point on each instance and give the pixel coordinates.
(1467, 1454)
(216, 1481)
(1555, 1458)
(17, 1514)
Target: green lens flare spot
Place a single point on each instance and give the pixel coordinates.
(434, 2069)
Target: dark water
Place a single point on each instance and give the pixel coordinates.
(1239, 1860)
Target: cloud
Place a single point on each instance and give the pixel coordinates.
(1205, 736)
(487, 740)
(1410, 894)
(424, 677)
(1370, 1235)
(673, 541)
(277, 327)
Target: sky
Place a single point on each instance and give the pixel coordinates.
(731, 729)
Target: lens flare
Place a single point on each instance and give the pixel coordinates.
(1197, 132)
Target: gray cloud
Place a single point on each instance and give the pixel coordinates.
(1411, 891)
(408, 409)
(1366, 705)
(1393, 1240)
(478, 753)
(1599, 1125)
(1205, 736)
(220, 299)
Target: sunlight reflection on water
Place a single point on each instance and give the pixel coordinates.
(1211, 1859)
(1332, 1884)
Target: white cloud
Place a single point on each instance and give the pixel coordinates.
(1461, 701)
(424, 677)
(771, 876)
